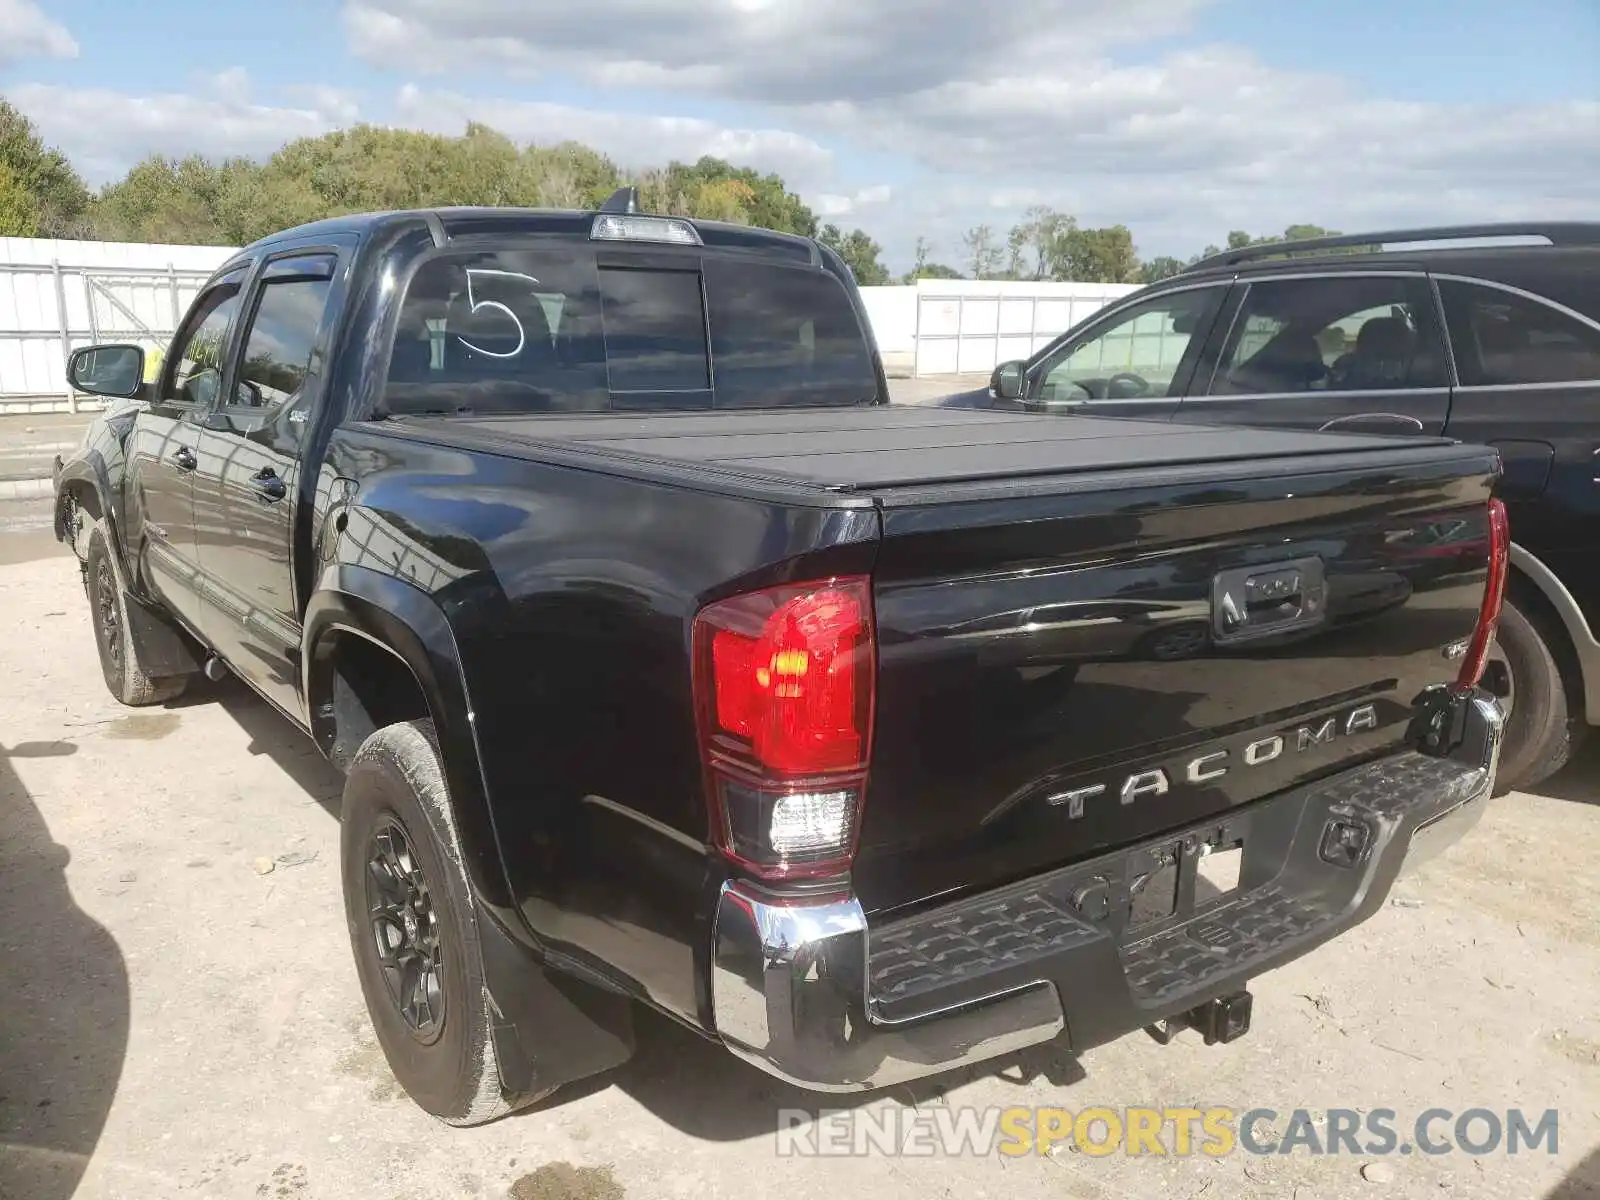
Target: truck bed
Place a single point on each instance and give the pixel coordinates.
(865, 451)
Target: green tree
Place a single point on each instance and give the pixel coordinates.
(1159, 268)
(59, 197)
(1097, 255)
(860, 254)
(19, 213)
(1296, 233)
(983, 251)
(1035, 243)
(164, 200)
(934, 270)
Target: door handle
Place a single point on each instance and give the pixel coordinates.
(1411, 424)
(183, 458)
(268, 486)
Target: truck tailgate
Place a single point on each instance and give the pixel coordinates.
(1071, 662)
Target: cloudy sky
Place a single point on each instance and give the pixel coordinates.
(1180, 118)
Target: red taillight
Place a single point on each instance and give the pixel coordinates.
(1494, 594)
(784, 683)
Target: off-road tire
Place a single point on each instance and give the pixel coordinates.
(396, 779)
(113, 637)
(1544, 726)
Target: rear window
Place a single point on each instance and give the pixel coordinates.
(552, 330)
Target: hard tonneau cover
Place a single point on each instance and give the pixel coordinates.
(873, 449)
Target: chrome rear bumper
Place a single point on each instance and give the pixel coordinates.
(809, 993)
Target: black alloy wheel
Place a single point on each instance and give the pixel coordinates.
(405, 931)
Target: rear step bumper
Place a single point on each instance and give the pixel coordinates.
(809, 993)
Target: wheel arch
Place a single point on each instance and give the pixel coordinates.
(363, 620)
(1531, 577)
(83, 480)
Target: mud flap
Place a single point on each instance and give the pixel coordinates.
(549, 1028)
(160, 648)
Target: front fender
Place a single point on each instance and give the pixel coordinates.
(405, 621)
(94, 472)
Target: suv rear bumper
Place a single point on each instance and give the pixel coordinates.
(807, 992)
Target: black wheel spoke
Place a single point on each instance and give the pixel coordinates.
(405, 929)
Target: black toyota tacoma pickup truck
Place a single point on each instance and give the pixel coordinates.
(670, 665)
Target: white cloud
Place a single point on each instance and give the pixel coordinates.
(830, 204)
(631, 139)
(105, 132)
(771, 51)
(1036, 101)
(1210, 140)
(25, 32)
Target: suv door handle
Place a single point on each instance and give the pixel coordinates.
(183, 458)
(1409, 423)
(269, 487)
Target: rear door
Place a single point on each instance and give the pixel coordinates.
(249, 474)
(1362, 353)
(1530, 387)
(1134, 362)
(163, 450)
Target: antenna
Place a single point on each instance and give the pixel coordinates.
(623, 200)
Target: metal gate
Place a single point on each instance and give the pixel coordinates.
(49, 309)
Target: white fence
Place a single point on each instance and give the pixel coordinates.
(966, 326)
(58, 295)
(55, 296)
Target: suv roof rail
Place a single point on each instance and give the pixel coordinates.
(623, 200)
(1556, 233)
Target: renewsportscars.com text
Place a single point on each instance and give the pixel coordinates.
(1016, 1131)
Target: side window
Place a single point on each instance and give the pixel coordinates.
(1135, 356)
(1332, 335)
(277, 350)
(1501, 338)
(784, 335)
(196, 370)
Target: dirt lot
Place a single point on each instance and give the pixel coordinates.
(178, 1024)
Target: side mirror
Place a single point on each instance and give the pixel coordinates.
(1006, 382)
(107, 370)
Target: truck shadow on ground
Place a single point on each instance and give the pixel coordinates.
(64, 1023)
(1579, 780)
(700, 1089)
(1582, 1184)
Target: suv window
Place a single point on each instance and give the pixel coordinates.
(550, 330)
(1135, 356)
(1502, 338)
(196, 373)
(277, 351)
(1335, 335)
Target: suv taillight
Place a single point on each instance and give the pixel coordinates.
(1494, 594)
(784, 682)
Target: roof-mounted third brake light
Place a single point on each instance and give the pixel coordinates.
(620, 227)
(620, 221)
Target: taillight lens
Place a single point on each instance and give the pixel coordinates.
(1494, 594)
(784, 682)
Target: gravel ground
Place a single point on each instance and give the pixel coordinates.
(179, 1024)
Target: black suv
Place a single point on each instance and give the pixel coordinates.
(1488, 333)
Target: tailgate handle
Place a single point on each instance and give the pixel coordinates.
(1270, 599)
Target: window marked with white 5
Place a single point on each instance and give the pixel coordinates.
(477, 305)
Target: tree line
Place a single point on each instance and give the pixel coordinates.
(234, 201)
